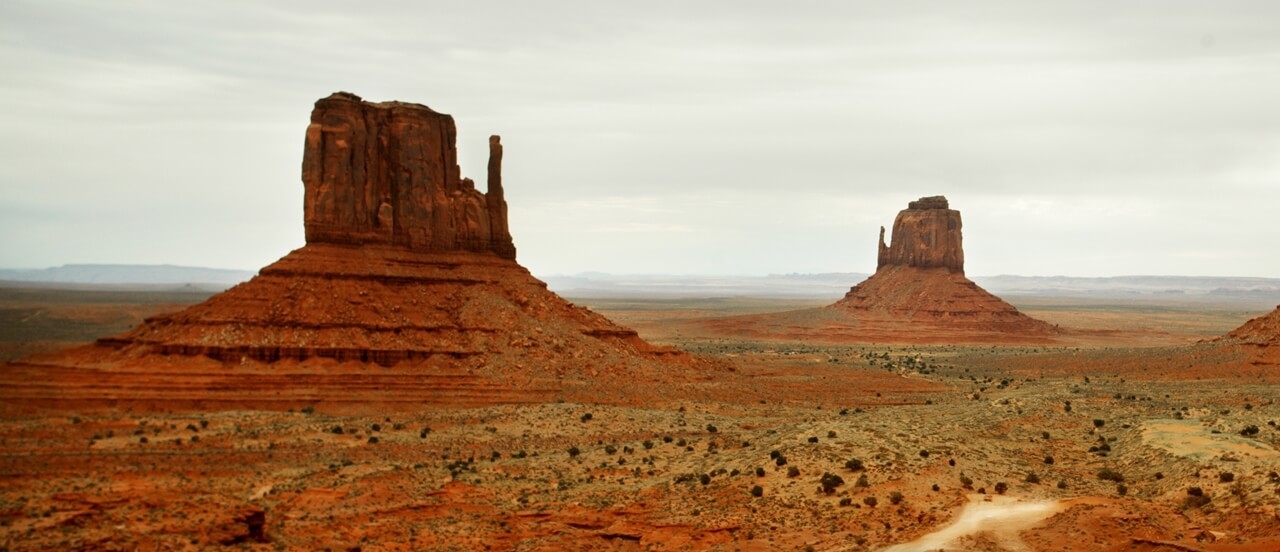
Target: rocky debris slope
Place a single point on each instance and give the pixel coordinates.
(1263, 330)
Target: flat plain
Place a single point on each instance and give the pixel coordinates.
(1134, 432)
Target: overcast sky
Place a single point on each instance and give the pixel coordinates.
(1076, 138)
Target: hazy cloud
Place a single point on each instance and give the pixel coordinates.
(1080, 138)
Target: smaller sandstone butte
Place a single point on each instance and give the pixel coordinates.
(926, 235)
(920, 279)
(918, 294)
(387, 173)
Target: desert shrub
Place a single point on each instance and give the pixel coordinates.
(1122, 490)
(870, 501)
(681, 442)
(1001, 487)
(759, 472)
(936, 487)
(1226, 477)
(204, 424)
(862, 482)
(966, 481)
(704, 479)
(667, 439)
(813, 439)
(831, 435)
(1195, 501)
(1099, 422)
(574, 452)
(711, 429)
(854, 464)
(337, 430)
(757, 491)
(895, 497)
(830, 481)
(376, 427)
(1062, 483)
(495, 455)
(308, 409)
(1048, 459)
(1249, 431)
(793, 472)
(1159, 475)
(1108, 474)
(373, 440)
(647, 445)
(1032, 478)
(1044, 435)
(780, 460)
(586, 417)
(924, 454)
(610, 449)
(846, 501)
(423, 434)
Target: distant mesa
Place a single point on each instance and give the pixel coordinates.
(406, 265)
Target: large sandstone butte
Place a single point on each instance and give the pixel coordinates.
(918, 294)
(406, 293)
(920, 278)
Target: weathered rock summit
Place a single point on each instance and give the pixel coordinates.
(926, 234)
(387, 173)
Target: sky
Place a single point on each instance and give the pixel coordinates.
(1076, 138)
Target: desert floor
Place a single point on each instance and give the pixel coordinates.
(1129, 435)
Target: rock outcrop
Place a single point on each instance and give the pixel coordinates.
(407, 267)
(1263, 331)
(387, 173)
(926, 235)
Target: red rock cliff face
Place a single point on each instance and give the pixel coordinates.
(926, 235)
(387, 173)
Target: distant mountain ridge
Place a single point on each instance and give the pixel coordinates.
(836, 284)
(128, 274)
(830, 285)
